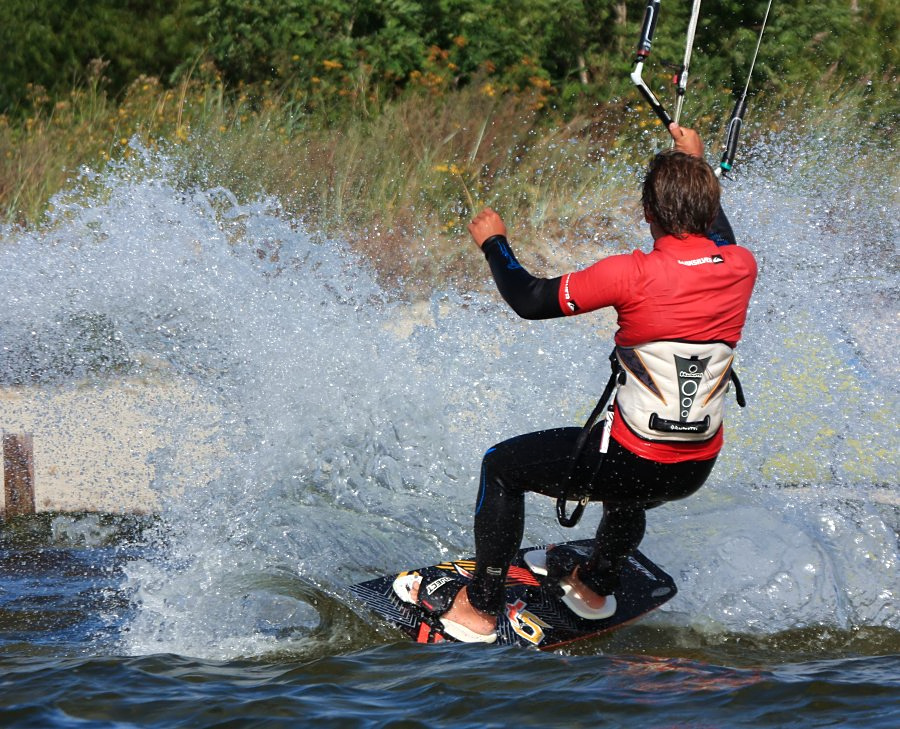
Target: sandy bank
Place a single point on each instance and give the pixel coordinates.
(93, 443)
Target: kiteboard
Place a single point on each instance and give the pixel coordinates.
(534, 615)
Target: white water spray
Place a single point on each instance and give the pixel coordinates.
(344, 426)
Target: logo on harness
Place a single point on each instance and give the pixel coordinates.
(690, 371)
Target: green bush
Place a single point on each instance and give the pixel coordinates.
(326, 52)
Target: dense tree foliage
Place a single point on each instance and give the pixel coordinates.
(52, 43)
(377, 48)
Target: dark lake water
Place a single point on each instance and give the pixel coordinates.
(62, 611)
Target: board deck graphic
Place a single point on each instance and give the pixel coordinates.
(534, 616)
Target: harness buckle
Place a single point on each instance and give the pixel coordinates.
(570, 520)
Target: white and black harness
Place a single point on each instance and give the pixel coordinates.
(667, 391)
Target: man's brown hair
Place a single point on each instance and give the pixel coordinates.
(681, 193)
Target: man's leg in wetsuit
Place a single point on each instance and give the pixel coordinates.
(619, 534)
(533, 462)
(541, 462)
(628, 485)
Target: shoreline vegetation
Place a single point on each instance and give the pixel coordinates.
(395, 156)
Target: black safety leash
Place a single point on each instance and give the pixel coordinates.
(738, 389)
(604, 405)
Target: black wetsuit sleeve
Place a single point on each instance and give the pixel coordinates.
(721, 231)
(530, 297)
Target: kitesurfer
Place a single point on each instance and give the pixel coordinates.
(681, 309)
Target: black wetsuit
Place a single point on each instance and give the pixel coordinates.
(626, 483)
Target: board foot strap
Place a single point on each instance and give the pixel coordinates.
(429, 634)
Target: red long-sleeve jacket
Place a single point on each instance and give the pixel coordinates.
(691, 289)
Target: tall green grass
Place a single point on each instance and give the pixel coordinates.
(400, 180)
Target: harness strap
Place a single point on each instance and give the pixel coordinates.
(603, 404)
(738, 390)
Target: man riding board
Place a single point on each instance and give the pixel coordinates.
(681, 309)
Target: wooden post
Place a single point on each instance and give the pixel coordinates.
(18, 474)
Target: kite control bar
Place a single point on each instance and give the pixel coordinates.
(651, 14)
(645, 43)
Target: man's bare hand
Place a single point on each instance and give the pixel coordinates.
(485, 225)
(686, 140)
